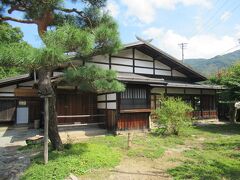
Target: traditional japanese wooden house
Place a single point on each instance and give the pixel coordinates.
(147, 73)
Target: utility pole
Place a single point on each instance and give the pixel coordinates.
(183, 46)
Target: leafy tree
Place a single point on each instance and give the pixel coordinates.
(9, 34)
(92, 78)
(88, 32)
(230, 79)
(172, 116)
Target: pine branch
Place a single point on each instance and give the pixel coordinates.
(74, 10)
(81, 13)
(16, 8)
(7, 18)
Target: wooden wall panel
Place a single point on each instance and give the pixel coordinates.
(131, 121)
(111, 120)
(7, 110)
(20, 92)
(77, 104)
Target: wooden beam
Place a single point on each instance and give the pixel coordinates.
(110, 61)
(81, 116)
(133, 51)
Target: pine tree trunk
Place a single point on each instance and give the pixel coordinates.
(45, 89)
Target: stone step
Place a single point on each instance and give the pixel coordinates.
(79, 133)
(71, 136)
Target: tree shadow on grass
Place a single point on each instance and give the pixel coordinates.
(69, 150)
(224, 129)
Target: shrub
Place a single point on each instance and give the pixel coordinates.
(172, 116)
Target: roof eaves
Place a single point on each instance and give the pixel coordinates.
(133, 44)
(14, 79)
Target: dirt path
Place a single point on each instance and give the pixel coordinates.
(145, 168)
(141, 168)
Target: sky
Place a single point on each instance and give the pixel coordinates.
(208, 27)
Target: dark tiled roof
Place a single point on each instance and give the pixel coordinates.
(190, 85)
(15, 79)
(130, 77)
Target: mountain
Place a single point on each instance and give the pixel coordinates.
(211, 66)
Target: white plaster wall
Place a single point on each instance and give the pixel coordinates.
(144, 71)
(193, 91)
(140, 55)
(8, 88)
(101, 97)
(175, 90)
(143, 63)
(28, 83)
(162, 72)
(122, 68)
(111, 97)
(7, 94)
(178, 74)
(125, 53)
(111, 105)
(122, 61)
(101, 105)
(101, 58)
(160, 65)
(57, 73)
(158, 90)
(104, 66)
(210, 92)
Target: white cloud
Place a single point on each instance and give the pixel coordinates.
(113, 8)
(225, 16)
(199, 23)
(204, 3)
(145, 10)
(199, 46)
(237, 28)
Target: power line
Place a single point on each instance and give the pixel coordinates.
(183, 46)
(209, 20)
(215, 14)
(217, 23)
(231, 48)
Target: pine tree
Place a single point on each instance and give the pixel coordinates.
(88, 31)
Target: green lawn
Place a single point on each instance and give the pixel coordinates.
(77, 159)
(218, 157)
(214, 154)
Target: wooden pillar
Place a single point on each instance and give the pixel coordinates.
(216, 103)
(201, 104)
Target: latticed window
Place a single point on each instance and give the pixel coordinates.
(134, 98)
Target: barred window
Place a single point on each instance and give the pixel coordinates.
(134, 98)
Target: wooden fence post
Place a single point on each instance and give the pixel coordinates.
(46, 120)
(129, 140)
